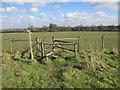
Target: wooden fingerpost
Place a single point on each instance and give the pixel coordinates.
(102, 42)
(53, 38)
(10, 43)
(75, 48)
(78, 43)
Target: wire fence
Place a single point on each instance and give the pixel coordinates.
(84, 42)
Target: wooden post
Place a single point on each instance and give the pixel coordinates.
(78, 43)
(75, 48)
(30, 41)
(53, 38)
(10, 43)
(102, 42)
(37, 39)
(43, 40)
(42, 49)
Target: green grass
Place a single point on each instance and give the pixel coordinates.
(95, 43)
(92, 69)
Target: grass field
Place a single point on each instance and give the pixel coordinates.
(93, 69)
(85, 43)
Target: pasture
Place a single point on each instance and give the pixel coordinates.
(84, 43)
(91, 69)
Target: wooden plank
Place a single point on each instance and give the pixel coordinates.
(62, 41)
(20, 40)
(58, 43)
(65, 48)
(49, 54)
(67, 38)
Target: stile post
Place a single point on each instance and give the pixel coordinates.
(78, 43)
(37, 39)
(102, 42)
(30, 41)
(10, 42)
(42, 49)
(43, 39)
(40, 45)
(53, 38)
(75, 48)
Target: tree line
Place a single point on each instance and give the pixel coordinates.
(55, 28)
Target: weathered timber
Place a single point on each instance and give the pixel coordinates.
(61, 41)
(65, 48)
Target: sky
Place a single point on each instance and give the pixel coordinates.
(15, 15)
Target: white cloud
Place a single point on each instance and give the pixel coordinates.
(23, 11)
(17, 3)
(27, 18)
(59, 0)
(38, 4)
(42, 15)
(71, 19)
(57, 6)
(34, 10)
(11, 10)
(109, 5)
(2, 10)
(62, 14)
(76, 15)
(59, 11)
(101, 14)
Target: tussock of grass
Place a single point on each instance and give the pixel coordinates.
(92, 69)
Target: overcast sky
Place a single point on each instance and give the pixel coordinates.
(38, 14)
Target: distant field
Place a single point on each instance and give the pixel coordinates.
(85, 43)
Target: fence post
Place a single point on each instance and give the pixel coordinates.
(53, 38)
(78, 43)
(42, 49)
(30, 41)
(10, 43)
(37, 39)
(75, 48)
(43, 40)
(102, 42)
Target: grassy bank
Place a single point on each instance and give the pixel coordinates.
(92, 69)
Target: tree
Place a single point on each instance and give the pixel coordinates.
(52, 27)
